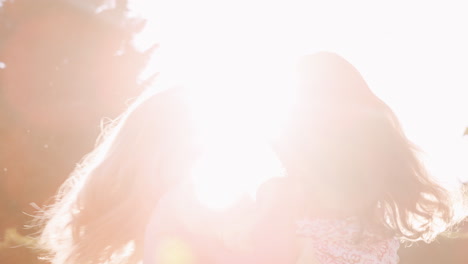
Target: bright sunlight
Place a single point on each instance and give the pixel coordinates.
(244, 52)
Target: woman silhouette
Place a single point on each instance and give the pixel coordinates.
(355, 185)
(101, 211)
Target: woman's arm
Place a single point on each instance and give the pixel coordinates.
(306, 251)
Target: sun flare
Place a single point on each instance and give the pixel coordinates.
(232, 171)
(238, 59)
(235, 127)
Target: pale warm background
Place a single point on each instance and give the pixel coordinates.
(66, 64)
(412, 53)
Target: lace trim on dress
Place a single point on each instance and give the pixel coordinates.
(343, 241)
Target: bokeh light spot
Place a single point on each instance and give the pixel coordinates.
(174, 251)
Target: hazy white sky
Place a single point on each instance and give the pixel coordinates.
(413, 54)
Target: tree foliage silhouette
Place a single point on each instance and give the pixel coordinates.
(65, 66)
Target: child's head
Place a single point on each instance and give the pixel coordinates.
(346, 147)
(105, 204)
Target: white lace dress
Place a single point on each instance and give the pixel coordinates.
(341, 241)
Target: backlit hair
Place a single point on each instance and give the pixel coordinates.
(101, 211)
(347, 149)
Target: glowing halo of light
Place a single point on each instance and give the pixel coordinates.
(232, 171)
(198, 39)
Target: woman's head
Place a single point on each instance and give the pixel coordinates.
(347, 148)
(328, 76)
(104, 206)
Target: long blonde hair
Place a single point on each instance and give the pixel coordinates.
(347, 149)
(101, 211)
